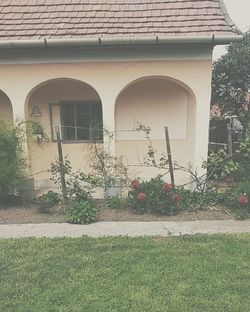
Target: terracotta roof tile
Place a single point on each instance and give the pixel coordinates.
(57, 19)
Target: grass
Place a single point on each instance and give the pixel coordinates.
(188, 273)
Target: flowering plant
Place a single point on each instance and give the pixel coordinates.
(176, 199)
(134, 184)
(141, 196)
(243, 199)
(153, 196)
(166, 187)
(237, 198)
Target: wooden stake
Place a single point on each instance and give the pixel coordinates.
(61, 164)
(169, 156)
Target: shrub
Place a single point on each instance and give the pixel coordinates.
(219, 166)
(108, 170)
(81, 206)
(232, 194)
(12, 163)
(82, 211)
(157, 196)
(154, 196)
(202, 200)
(116, 202)
(47, 201)
(243, 157)
(238, 199)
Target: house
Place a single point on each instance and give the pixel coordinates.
(67, 62)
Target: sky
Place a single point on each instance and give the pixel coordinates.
(239, 12)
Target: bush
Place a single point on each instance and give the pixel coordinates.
(157, 196)
(12, 163)
(82, 211)
(117, 202)
(154, 196)
(219, 166)
(243, 157)
(47, 201)
(210, 197)
(237, 198)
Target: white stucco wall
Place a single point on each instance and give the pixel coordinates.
(155, 102)
(109, 79)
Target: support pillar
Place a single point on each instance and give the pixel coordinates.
(108, 111)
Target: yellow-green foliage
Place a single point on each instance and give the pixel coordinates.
(12, 162)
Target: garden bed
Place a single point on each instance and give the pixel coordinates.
(29, 214)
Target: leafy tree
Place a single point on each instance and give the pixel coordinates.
(12, 163)
(231, 79)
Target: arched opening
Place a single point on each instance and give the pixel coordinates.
(76, 109)
(6, 111)
(155, 102)
(71, 104)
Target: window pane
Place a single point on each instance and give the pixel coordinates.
(82, 121)
(68, 122)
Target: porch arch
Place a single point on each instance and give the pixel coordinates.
(156, 101)
(47, 104)
(53, 92)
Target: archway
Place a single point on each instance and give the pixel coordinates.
(76, 108)
(68, 103)
(155, 102)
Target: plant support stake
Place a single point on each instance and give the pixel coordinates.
(169, 156)
(61, 164)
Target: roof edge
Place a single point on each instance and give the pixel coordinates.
(88, 42)
(228, 19)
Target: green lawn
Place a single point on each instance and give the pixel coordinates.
(189, 273)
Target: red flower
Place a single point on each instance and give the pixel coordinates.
(134, 184)
(141, 196)
(176, 198)
(243, 199)
(166, 187)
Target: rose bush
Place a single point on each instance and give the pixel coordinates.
(237, 198)
(153, 196)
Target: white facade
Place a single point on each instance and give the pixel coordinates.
(164, 87)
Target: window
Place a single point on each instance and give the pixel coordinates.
(80, 121)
